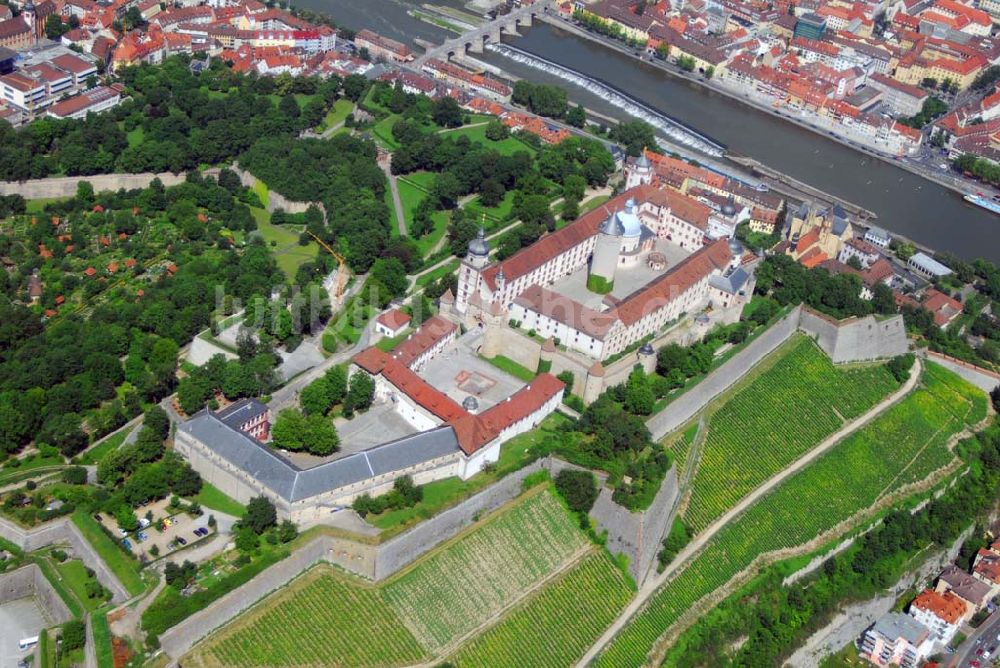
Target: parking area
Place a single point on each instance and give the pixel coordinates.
(168, 530)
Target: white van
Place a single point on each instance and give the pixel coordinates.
(25, 643)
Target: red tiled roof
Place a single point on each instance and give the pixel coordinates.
(947, 606)
(475, 431)
(685, 273)
(528, 259)
(565, 310)
(394, 319)
(422, 340)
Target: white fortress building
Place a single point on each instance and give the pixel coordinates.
(612, 277)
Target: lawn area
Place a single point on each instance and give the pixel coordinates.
(905, 444)
(38, 205)
(500, 213)
(411, 193)
(382, 131)
(121, 564)
(263, 193)
(60, 585)
(477, 134)
(513, 368)
(135, 136)
(112, 442)
(593, 203)
(393, 220)
(749, 441)
(423, 180)
(102, 640)
(283, 241)
(212, 498)
(442, 494)
(558, 623)
(323, 618)
(443, 270)
(496, 563)
(10, 474)
(341, 109)
(387, 344)
(74, 574)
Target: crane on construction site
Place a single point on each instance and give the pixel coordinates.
(338, 288)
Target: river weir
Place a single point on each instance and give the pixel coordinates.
(674, 131)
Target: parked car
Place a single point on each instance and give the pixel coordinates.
(201, 531)
(181, 541)
(128, 544)
(97, 516)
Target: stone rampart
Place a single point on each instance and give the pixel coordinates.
(685, 407)
(855, 339)
(177, 640)
(29, 581)
(850, 340)
(275, 200)
(63, 531)
(65, 186)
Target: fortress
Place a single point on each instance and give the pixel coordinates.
(612, 277)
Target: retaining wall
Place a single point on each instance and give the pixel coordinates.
(275, 200)
(177, 640)
(29, 581)
(63, 530)
(855, 339)
(65, 186)
(850, 340)
(402, 550)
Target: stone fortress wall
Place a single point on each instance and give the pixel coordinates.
(637, 535)
(63, 531)
(29, 581)
(845, 341)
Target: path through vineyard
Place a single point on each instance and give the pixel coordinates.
(653, 584)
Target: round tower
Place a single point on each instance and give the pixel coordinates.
(604, 261)
(638, 172)
(647, 358)
(594, 384)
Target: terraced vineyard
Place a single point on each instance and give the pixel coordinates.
(905, 444)
(556, 626)
(464, 584)
(326, 618)
(773, 420)
(322, 619)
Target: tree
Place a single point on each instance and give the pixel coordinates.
(639, 398)
(287, 531)
(446, 113)
(315, 397)
(576, 116)
(497, 131)
(73, 634)
(289, 430)
(578, 488)
(360, 393)
(54, 27)
(126, 518)
(321, 438)
(391, 275)
(75, 475)
(260, 515)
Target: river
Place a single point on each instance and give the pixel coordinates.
(905, 203)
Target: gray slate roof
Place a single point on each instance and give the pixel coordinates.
(732, 282)
(294, 484)
(897, 625)
(241, 412)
